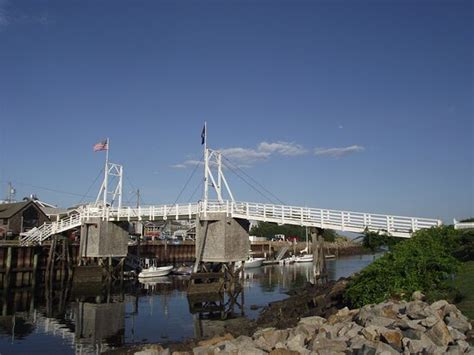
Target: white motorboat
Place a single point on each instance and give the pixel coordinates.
(304, 258)
(253, 262)
(154, 271)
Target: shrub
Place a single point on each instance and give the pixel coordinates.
(423, 263)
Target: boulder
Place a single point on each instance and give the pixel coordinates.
(385, 349)
(456, 334)
(318, 345)
(343, 315)
(215, 340)
(416, 310)
(283, 352)
(430, 321)
(392, 337)
(406, 323)
(371, 333)
(463, 345)
(459, 322)
(315, 321)
(439, 334)
(418, 296)
(271, 336)
(295, 342)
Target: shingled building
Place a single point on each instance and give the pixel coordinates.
(19, 217)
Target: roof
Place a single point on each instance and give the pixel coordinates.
(10, 209)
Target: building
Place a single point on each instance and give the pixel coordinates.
(19, 217)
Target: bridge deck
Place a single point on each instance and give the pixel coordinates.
(397, 226)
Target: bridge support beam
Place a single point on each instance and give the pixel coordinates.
(319, 259)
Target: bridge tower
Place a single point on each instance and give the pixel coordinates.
(222, 242)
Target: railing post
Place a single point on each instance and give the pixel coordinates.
(164, 213)
(227, 208)
(321, 213)
(247, 207)
(282, 214)
(264, 212)
(177, 215)
(189, 210)
(128, 213)
(388, 223)
(342, 220)
(301, 215)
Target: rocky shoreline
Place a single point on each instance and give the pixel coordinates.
(315, 320)
(392, 327)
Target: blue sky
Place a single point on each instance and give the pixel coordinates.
(356, 105)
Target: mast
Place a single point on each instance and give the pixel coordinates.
(206, 168)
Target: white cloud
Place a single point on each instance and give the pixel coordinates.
(246, 157)
(283, 148)
(186, 164)
(338, 152)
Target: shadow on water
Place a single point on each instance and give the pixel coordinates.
(96, 317)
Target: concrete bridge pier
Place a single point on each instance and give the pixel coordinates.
(221, 241)
(104, 244)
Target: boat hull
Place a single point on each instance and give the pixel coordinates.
(155, 272)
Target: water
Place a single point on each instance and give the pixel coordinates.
(66, 321)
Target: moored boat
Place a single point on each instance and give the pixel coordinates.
(253, 262)
(154, 271)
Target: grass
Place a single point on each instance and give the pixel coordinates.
(464, 282)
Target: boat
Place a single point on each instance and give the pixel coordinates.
(304, 258)
(183, 270)
(252, 262)
(154, 271)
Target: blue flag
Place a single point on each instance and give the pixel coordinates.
(203, 135)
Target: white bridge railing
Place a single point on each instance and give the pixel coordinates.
(397, 226)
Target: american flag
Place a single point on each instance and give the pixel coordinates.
(104, 145)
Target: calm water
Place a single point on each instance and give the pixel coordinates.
(90, 321)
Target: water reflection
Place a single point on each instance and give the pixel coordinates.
(96, 318)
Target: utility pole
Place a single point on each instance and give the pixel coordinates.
(10, 193)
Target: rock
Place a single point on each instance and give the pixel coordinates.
(371, 333)
(407, 323)
(181, 353)
(203, 350)
(350, 330)
(283, 352)
(416, 310)
(388, 309)
(271, 336)
(385, 349)
(454, 350)
(248, 350)
(418, 296)
(439, 334)
(380, 321)
(335, 346)
(458, 322)
(463, 345)
(439, 305)
(392, 337)
(315, 321)
(215, 340)
(343, 315)
(295, 342)
(430, 321)
(262, 344)
(413, 333)
(456, 334)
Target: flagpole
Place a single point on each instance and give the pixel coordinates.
(206, 167)
(106, 171)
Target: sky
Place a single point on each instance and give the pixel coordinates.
(353, 105)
